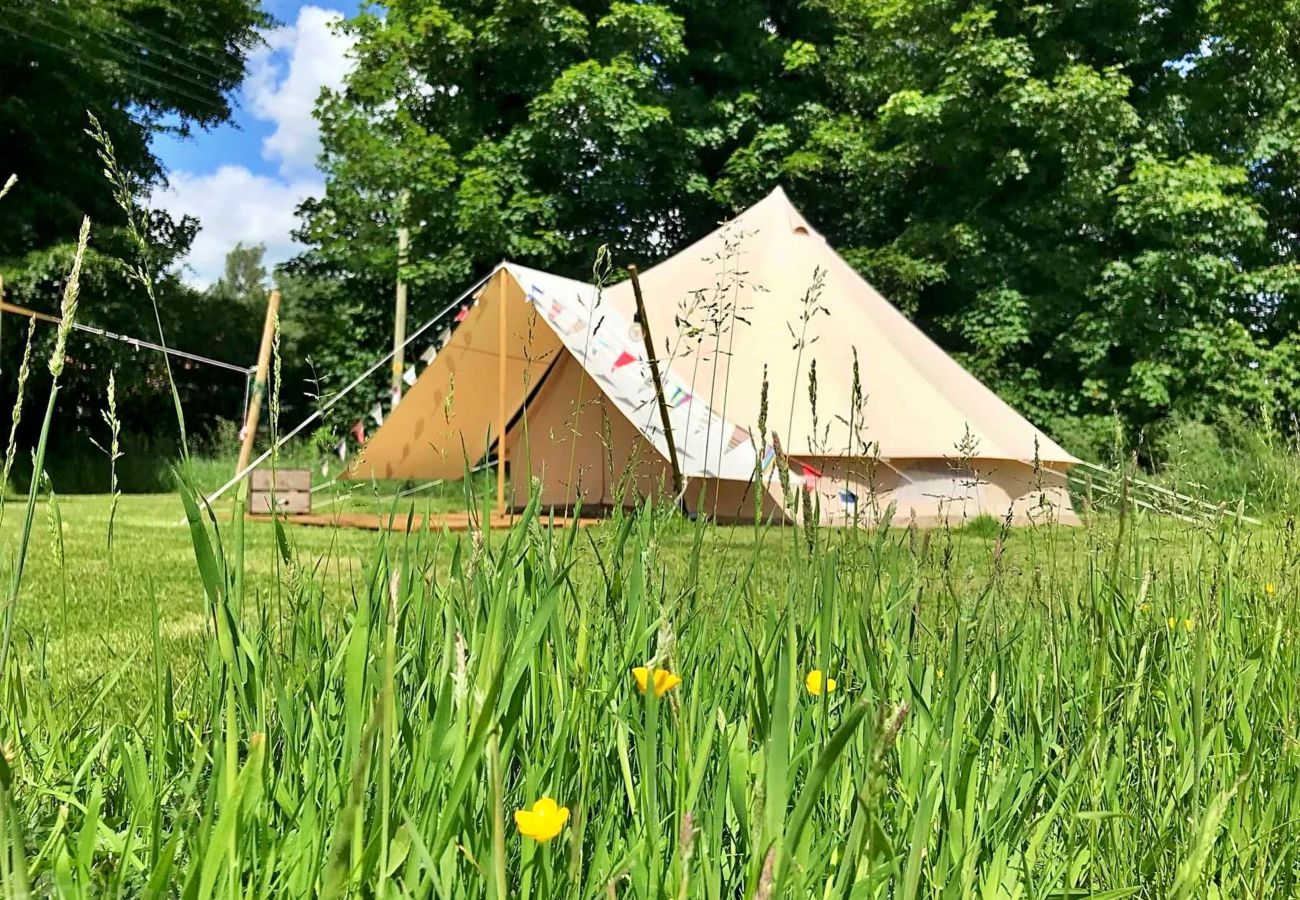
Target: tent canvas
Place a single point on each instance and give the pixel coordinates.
(738, 319)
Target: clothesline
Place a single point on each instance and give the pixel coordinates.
(126, 339)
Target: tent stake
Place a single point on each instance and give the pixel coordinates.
(679, 489)
(259, 382)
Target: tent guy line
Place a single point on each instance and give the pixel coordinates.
(351, 386)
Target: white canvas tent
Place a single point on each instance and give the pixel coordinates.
(561, 368)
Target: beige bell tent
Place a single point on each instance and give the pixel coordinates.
(743, 322)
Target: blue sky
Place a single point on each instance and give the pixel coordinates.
(243, 180)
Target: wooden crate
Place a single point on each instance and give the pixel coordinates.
(290, 488)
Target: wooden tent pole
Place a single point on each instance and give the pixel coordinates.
(259, 381)
(679, 489)
(399, 310)
(501, 393)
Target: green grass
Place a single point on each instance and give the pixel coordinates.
(345, 713)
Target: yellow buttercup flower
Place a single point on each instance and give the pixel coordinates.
(816, 683)
(1270, 589)
(1188, 624)
(543, 822)
(1172, 622)
(664, 680)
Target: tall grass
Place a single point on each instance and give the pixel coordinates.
(1046, 735)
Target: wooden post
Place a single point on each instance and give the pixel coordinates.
(399, 313)
(259, 382)
(679, 488)
(501, 392)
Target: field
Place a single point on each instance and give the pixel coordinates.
(1096, 712)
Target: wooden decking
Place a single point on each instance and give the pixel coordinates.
(401, 522)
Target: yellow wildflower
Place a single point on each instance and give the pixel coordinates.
(1270, 589)
(815, 682)
(664, 680)
(1172, 622)
(543, 822)
(1188, 625)
(940, 673)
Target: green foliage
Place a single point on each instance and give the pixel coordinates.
(142, 68)
(1070, 196)
(535, 131)
(1232, 461)
(1090, 204)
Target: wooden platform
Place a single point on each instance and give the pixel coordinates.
(398, 522)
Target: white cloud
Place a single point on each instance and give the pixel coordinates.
(235, 204)
(285, 79)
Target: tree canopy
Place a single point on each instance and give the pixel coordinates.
(1090, 203)
(141, 67)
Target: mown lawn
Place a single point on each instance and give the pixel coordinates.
(84, 608)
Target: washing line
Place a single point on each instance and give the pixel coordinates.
(126, 339)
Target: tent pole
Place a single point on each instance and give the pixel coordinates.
(679, 490)
(259, 381)
(501, 395)
(399, 311)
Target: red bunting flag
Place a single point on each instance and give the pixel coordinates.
(624, 359)
(810, 475)
(738, 436)
(462, 314)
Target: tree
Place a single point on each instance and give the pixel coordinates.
(537, 131)
(141, 67)
(1080, 199)
(1076, 198)
(244, 279)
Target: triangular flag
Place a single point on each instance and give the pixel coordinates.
(359, 431)
(429, 353)
(738, 436)
(678, 397)
(409, 376)
(848, 498)
(443, 337)
(462, 314)
(624, 359)
(342, 449)
(810, 475)
(768, 456)
(377, 413)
